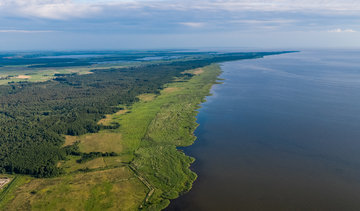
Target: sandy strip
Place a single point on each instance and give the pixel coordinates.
(23, 77)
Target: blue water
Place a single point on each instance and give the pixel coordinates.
(281, 133)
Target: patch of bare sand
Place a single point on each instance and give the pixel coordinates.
(198, 71)
(23, 76)
(4, 181)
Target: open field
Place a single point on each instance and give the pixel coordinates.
(108, 120)
(101, 142)
(146, 97)
(113, 189)
(7, 193)
(17, 74)
(21, 73)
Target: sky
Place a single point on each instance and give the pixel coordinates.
(165, 24)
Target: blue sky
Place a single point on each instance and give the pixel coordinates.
(143, 24)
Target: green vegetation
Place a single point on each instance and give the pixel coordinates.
(106, 140)
(109, 189)
(158, 171)
(6, 194)
(17, 74)
(157, 158)
(34, 115)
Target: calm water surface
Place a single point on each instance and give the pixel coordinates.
(281, 133)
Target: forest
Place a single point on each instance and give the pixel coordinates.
(34, 117)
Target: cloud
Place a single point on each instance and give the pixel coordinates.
(178, 16)
(193, 24)
(254, 5)
(48, 9)
(24, 31)
(342, 31)
(67, 9)
(288, 5)
(265, 22)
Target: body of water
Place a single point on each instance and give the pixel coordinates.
(281, 133)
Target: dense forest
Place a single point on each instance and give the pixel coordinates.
(71, 59)
(35, 116)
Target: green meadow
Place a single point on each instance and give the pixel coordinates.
(9, 74)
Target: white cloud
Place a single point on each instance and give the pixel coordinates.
(342, 31)
(65, 9)
(256, 5)
(264, 22)
(23, 31)
(50, 9)
(193, 24)
(281, 5)
(68, 9)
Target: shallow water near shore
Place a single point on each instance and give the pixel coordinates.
(281, 133)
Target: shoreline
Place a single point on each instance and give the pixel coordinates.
(145, 135)
(150, 133)
(189, 177)
(183, 148)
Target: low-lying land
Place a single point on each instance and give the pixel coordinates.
(148, 171)
(106, 140)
